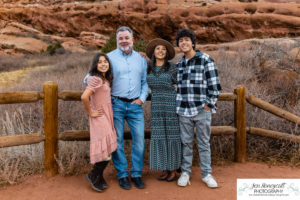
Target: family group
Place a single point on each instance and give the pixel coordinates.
(183, 97)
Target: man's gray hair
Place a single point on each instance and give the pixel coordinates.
(124, 28)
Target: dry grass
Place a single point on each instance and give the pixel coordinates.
(248, 67)
(75, 157)
(20, 161)
(242, 67)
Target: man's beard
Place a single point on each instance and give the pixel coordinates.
(126, 49)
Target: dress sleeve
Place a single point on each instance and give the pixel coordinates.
(94, 82)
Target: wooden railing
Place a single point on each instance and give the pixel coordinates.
(51, 136)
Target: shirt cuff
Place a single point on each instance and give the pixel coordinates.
(143, 100)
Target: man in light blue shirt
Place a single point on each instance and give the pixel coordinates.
(129, 75)
(129, 91)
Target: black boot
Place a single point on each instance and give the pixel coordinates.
(94, 177)
(102, 167)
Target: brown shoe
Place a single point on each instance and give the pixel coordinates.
(163, 176)
(171, 177)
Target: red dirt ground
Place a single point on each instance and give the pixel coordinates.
(39, 187)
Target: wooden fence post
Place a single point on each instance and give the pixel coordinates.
(240, 124)
(50, 127)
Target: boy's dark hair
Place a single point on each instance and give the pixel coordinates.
(186, 33)
(94, 71)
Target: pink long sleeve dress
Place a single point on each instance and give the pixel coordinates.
(103, 139)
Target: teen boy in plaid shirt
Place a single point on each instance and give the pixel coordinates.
(197, 94)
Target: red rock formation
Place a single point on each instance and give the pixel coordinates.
(93, 39)
(16, 38)
(88, 23)
(220, 22)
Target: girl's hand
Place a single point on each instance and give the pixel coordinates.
(97, 113)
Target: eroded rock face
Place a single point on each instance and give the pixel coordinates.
(220, 22)
(89, 23)
(14, 39)
(18, 39)
(93, 39)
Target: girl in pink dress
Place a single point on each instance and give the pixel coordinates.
(97, 102)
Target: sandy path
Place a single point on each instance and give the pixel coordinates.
(39, 187)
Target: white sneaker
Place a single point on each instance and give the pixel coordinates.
(184, 179)
(210, 181)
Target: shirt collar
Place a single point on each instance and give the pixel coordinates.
(197, 55)
(124, 54)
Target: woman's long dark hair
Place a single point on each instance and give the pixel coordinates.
(152, 62)
(94, 71)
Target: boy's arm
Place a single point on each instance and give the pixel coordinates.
(213, 84)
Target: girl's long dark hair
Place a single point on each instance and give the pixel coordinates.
(94, 71)
(151, 64)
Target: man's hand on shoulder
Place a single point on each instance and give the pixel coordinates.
(143, 54)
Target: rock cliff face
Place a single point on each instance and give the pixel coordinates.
(88, 23)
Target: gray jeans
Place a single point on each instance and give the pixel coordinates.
(202, 122)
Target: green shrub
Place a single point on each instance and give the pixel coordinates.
(140, 46)
(55, 48)
(111, 44)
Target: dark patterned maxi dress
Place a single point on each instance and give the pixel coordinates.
(165, 144)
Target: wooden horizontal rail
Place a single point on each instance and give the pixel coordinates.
(8, 141)
(227, 97)
(82, 135)
(19, 97)
(24, 139)
(73, 135)
(222, 130)
(69, 95)
(272, 109)
(274, 134)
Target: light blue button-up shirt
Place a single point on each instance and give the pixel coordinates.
(130, 72)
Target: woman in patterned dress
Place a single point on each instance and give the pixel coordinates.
(97, 102)
(165, 143)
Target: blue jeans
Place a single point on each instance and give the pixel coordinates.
(202, 122)
(134, 115)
